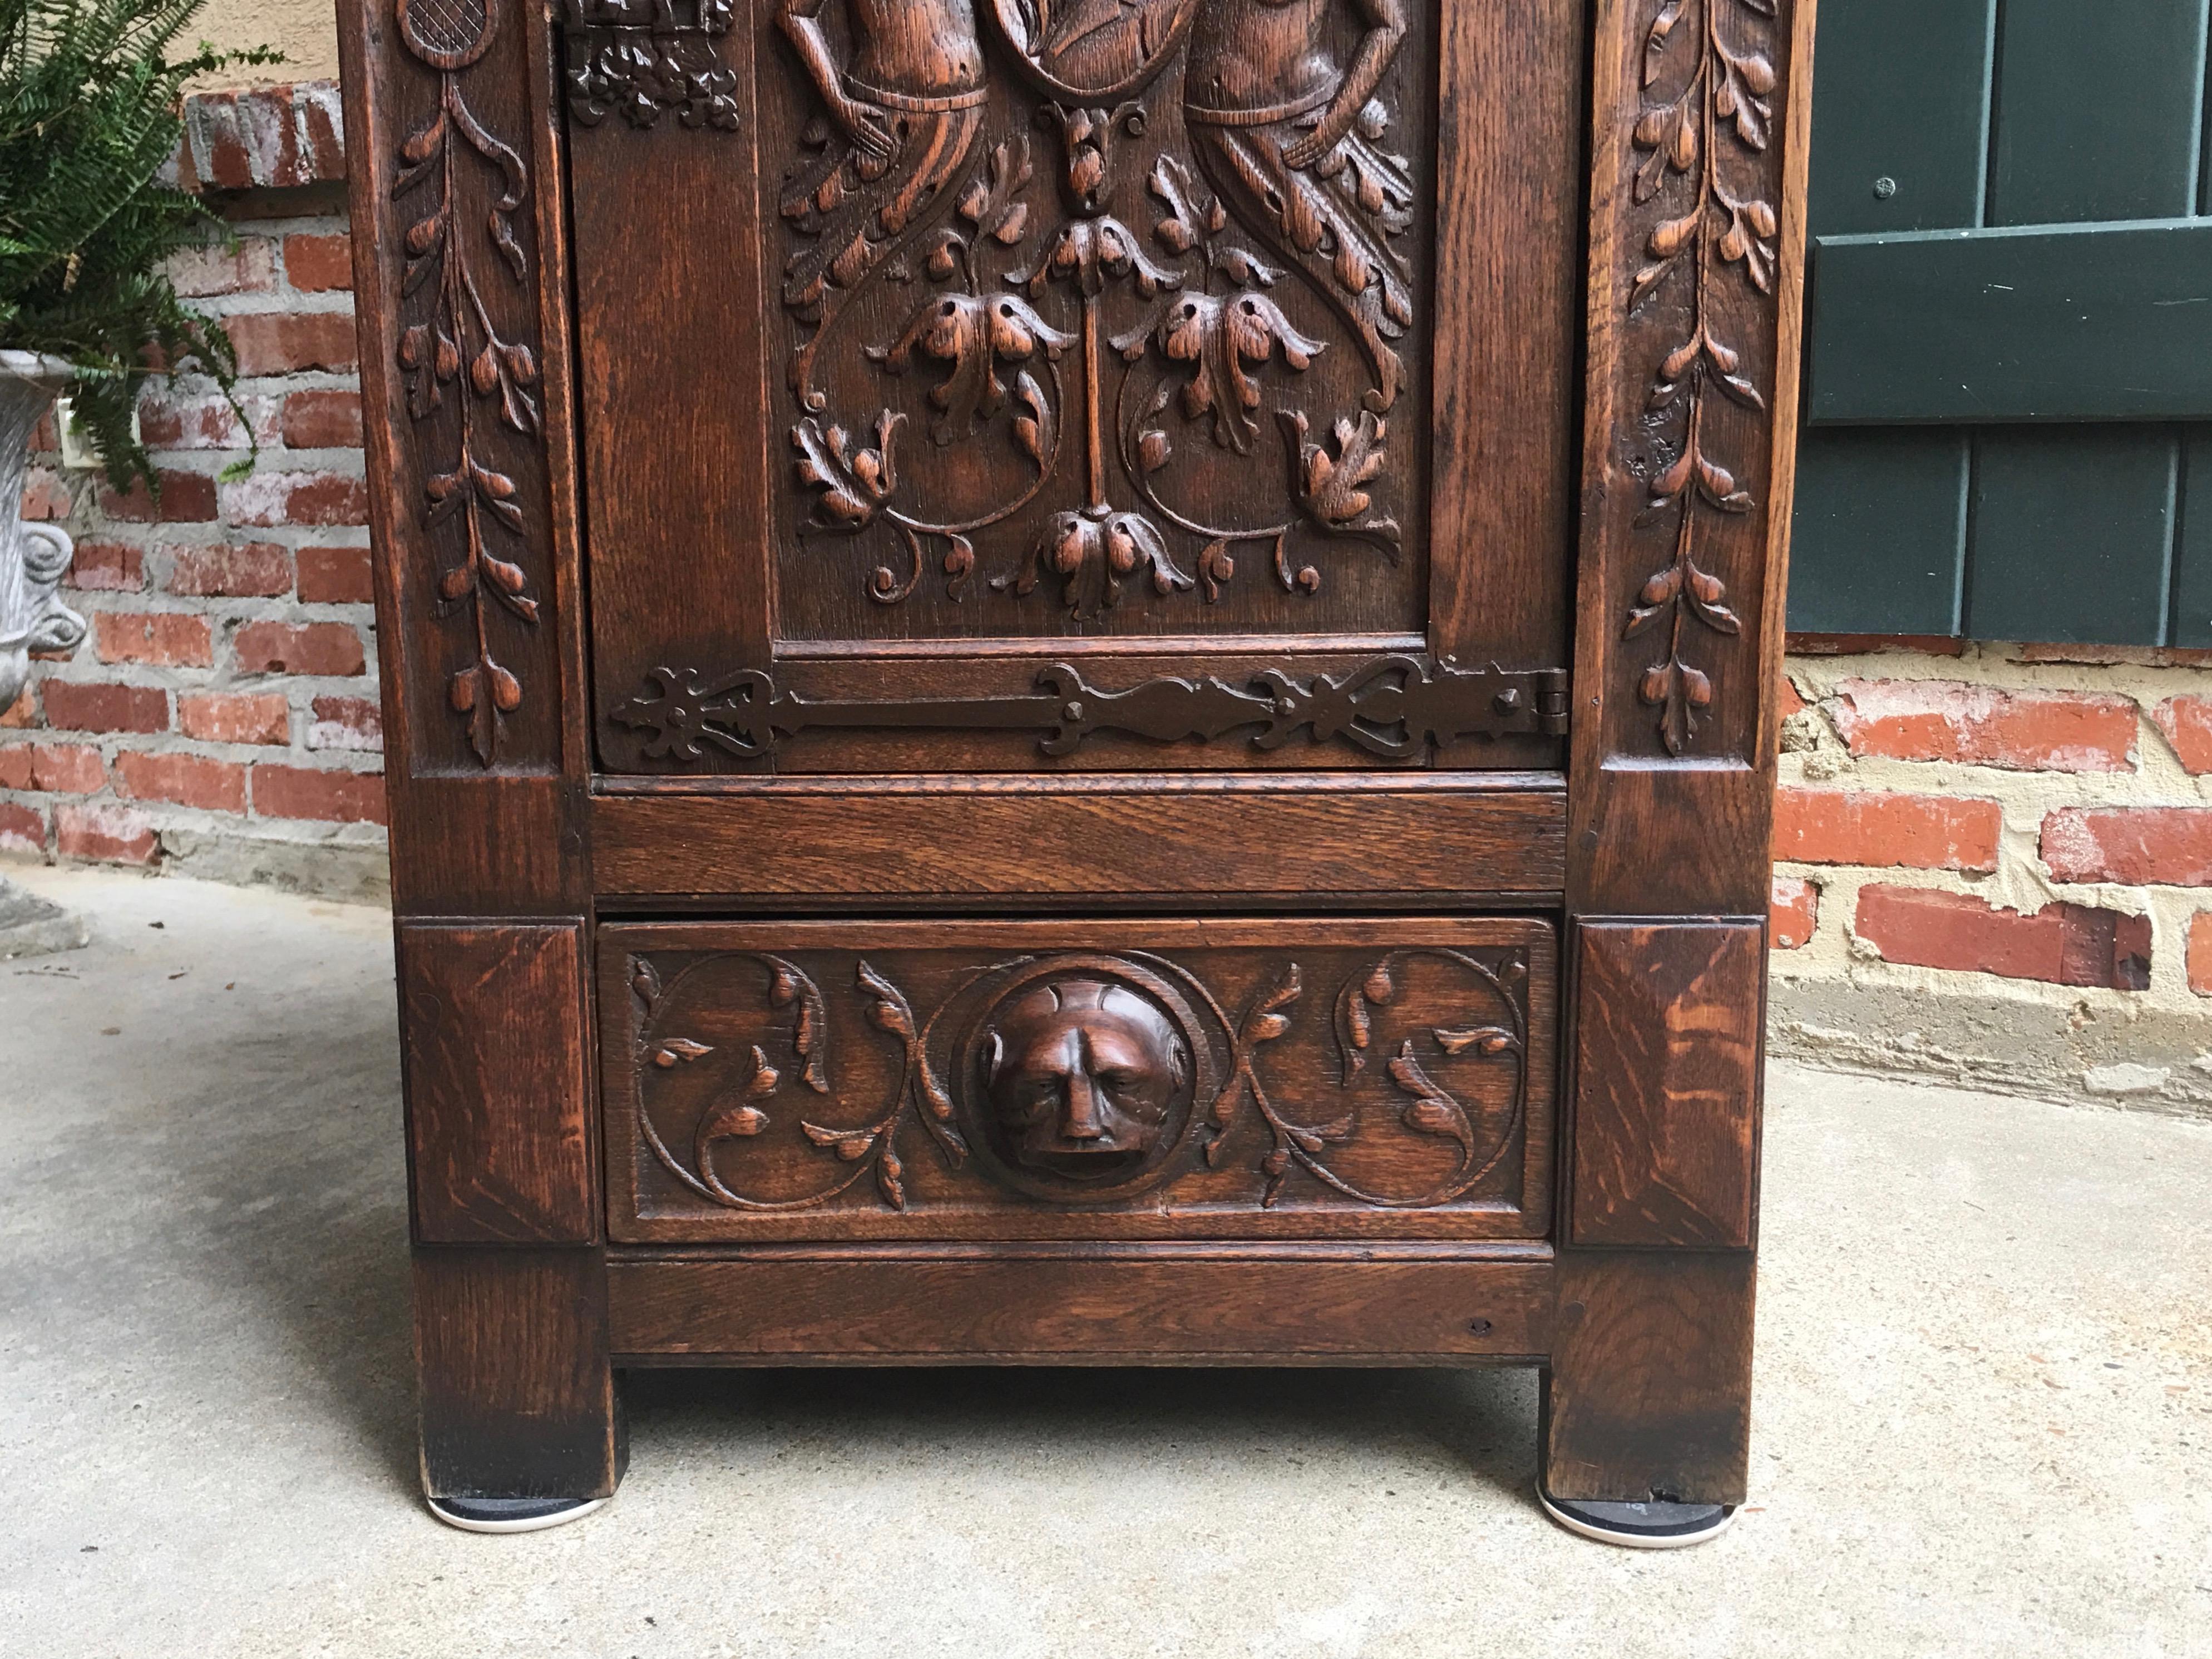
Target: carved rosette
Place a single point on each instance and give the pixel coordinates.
(1705, 161)
(1136, 317)
(1078, 1078)
(471, 374)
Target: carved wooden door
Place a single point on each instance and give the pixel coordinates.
(974, 386)
(1080, 680)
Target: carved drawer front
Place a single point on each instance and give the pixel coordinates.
(1277, 1078)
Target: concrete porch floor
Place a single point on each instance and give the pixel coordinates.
(1984, 1397)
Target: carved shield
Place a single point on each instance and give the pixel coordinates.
(1089, 51)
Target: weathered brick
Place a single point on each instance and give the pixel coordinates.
(326, 418)
(314, 264)
(1786, 696)
(1857, 645)
(186, 498)
(94, 706)
(105, 834)
(1794, 912)
(1886, 829)
(15, 766)
(45, 436)
(22, 829)
(2060, 944)
(272, 138)
(335, 575)
(346, 723)
(47, 494)
(1982, 726)
(268, 499)
(205, 422)
(67, 769)
(2137, 846)
(249, 570)
(188, 779)
(199, 273)
(234, 717)
(2187, 724)
(166, 639)
(275, 648)
(286, 341)
(107, 567)
(24, 711)
(2200, 953)
(302, 791)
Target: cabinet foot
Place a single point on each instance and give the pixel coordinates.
(1647, 1526)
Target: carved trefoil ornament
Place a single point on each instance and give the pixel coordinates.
(1112, 238)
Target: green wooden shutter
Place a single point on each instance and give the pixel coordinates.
(2009, 325)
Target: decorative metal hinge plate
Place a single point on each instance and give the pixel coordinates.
(1395, 707)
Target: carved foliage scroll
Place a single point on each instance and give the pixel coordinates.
(774, 1083)
(1704, 154)
(643, 59)
(1147, 263)
(460, 197)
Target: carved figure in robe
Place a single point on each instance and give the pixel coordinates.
(902, 117)
(1290, 139)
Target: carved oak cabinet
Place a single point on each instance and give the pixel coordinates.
(1081, 682)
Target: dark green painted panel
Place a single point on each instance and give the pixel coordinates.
(2096, 110)
(1878, 539)
(2066, 323)
(2192, 620)
(2071, 534)
(1916, 119)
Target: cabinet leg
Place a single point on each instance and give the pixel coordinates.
(1647, 1401)
(521, 1427)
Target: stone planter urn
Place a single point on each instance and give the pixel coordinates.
(32, 556)
(32, 615)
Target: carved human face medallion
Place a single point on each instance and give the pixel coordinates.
(1080, 1074)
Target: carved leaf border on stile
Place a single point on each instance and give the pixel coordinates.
(1711, 139)
(454, 346)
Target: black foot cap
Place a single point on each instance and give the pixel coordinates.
(512, 1514)
(1652, 1526)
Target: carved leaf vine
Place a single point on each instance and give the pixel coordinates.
(1710, 135)
(458, 348)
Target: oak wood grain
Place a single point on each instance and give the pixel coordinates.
(1667, 1074)
(1122, 837)
(497, 1083)
(1160, 1307)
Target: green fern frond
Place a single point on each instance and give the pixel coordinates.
(90, 99)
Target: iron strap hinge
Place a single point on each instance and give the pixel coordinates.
(1401, 707)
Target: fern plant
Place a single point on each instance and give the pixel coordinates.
(91, 94)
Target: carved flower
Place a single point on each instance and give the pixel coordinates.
(1222, 337)
(975, 334)
(1095, 554)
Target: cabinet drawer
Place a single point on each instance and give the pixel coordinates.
(1276, 1079)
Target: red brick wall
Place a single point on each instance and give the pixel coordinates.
(2012, 818)
(222, 712)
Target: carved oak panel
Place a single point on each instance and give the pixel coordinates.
(929, 343)
(1272, 1078)
(1095, 316)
